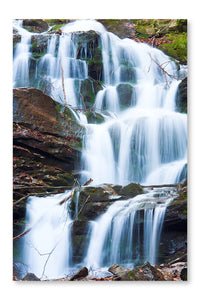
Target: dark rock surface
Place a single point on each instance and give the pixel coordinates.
(145, 272)
(46, 145)
(82, 272)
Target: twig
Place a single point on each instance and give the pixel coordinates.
(22, 234)
(163, 70)
(83, 101)
(75, 218)
(63, 83)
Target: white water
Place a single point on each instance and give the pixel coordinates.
(47, 247)
(21, 57)
(145, 142)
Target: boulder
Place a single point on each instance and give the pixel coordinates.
(145, 272)
(126, 95)
(181, 99)
(94, 200)
(184, 274)
(129, 191)
(35, 25)
(30, 277)
(88, 90)
(94, 117)
(82, 272)
(80, 240)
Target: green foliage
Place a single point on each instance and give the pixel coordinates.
(178, 46)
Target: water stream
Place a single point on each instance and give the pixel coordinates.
(143, 141)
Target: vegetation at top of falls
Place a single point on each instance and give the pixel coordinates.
(169, 35)
(176, 47)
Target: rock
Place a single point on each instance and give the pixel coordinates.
(145, 272)
(80, 240)
(94, 117)
(82, 272)
(89, 88)
(35, 25)
(184, 274)
(129, 191)
(176, 215)
(46, 145)
(93, 201)
(95, 69)
(181, 99)
(30, 277)
(126, 95)
(118, 271)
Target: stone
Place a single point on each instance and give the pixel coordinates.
(126, 95)
(184, 274)
(129, 191)
(145, 272)
(35, 25)
(30, 277)
(181, 99)
(82, 272)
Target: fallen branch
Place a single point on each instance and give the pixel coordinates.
(163, 70)
(83, 102)
(22, 234)
(42, 186)
(63, 83)
(75, 218)
(160, 186)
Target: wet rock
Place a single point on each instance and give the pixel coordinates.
(176, 216)
(94, 118)
(118, 271)
(129, 191)
(126, 95)
(92, 202)
(184, 274)
(80, 240)
(88, 90)
(145, 272)
(30, 277)
(181, 99)
(82, 272)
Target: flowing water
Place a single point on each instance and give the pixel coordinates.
(143, 139)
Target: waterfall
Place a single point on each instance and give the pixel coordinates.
(21, 57)
(143, 139)
(118, 237)
(47, 247)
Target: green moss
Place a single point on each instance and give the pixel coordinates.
(131, 275)
(178, 46)
(94, 118)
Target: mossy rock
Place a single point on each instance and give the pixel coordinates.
(88, 90)
(35, 25)
(80, 239)
(129, 191)
(95, 69)
(126, 94)
(92, 201)
(94, 117)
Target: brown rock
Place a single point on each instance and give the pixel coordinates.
(82, 272)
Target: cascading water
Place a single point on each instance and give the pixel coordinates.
(47, 247)
(143, 139)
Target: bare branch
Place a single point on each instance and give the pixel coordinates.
(63, 83)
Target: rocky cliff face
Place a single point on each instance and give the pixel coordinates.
(46, 145)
